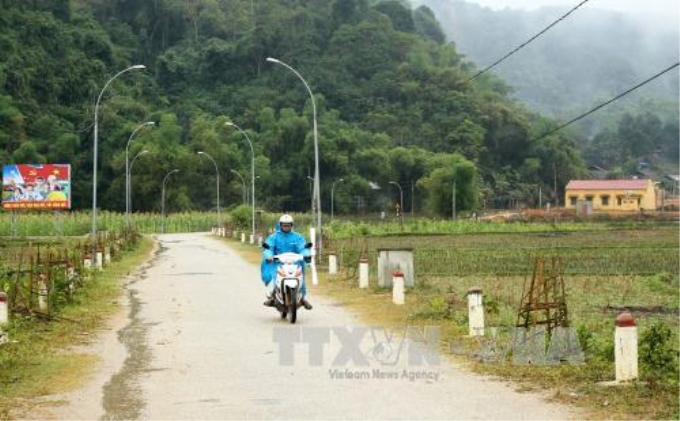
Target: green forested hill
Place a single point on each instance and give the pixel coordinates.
(391, 106)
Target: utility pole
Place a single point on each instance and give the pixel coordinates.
(540, 198)
(557, 198)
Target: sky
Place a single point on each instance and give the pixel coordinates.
(656, 7)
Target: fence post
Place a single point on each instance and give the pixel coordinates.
(43, 292)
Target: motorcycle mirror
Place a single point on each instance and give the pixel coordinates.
(265, 246)
(309, 245)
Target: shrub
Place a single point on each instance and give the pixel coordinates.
(657, 353)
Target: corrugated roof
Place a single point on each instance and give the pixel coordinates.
(635, 184)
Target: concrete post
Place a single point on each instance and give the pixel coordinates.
(4, 308)
(107, 254)
(332, 264)
(626, 348)
(42, 293)
(100, 261)
(235, 234)
(475, 312)
(363, 273)
(87, 263)
(4, 316)
(243, 237)
(398, 287)
(252, 238)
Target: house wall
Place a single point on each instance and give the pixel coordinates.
(619, 200)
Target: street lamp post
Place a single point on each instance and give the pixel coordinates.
(340, 180)
(317, 178)
(140, 153)
(311, 198)
(94, 160)
(245, 188)
(252, 171)
(127, 171)
(217, 174)
(401, 201)
(163, 200)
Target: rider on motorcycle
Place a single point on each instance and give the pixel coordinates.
(284, 240)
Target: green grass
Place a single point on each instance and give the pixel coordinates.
(37, 362)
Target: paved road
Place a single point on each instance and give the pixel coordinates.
(197, 344)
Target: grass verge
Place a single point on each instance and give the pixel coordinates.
(36, 361)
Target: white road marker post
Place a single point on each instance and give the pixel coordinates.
(398, 287)
(363, 273)
(475, 312)
(626, 348)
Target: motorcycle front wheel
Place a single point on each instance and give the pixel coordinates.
(292, 304)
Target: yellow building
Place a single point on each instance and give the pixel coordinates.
(612, 195)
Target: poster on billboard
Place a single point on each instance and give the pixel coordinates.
(36, 187)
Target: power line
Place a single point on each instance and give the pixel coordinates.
(608, 102)
(524, 44)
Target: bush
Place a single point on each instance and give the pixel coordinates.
(242, 216)
(657, 353)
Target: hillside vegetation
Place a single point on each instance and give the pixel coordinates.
(390, 102)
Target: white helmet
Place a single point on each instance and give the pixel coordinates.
(286, 219)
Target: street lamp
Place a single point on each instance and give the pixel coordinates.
(127, 171)
(163, 200)
(94, 160)
(144, 152)
(217, 174)
(311, 197)
(252, 170)
(245, 191)
(317, 178)
(340, 180)
(401, 201)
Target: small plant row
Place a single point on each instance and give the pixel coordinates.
(40, 278)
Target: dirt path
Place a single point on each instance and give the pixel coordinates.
(194, 342)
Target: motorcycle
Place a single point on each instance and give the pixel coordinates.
(289, 278)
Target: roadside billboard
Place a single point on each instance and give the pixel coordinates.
(36, 187)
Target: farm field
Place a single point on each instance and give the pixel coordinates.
(605, 272)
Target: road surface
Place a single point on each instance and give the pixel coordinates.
(194, 342)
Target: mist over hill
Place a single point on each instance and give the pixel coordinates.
(584, 60)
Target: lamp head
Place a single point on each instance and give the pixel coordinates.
(138, 66)
(229, 123)
(272, 60)
(201, 153)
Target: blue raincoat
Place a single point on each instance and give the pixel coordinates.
(283, 242)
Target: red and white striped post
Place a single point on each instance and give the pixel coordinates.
(626, 348)
(4, 316)
(398, 287)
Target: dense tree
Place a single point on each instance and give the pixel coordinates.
(390, 106)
